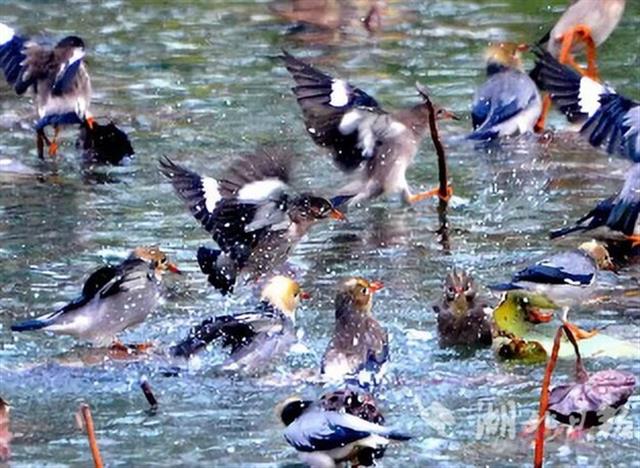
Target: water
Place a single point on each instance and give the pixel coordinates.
(196, 82)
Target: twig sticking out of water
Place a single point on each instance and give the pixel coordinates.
(148, 393)
(5, 433)
(87, 419)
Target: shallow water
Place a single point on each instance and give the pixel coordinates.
(196, 82)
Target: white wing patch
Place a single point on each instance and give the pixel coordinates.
(260, 190)
(6, 34)
(211, 193)
(350, 122)
(339, 93)
(589, 95)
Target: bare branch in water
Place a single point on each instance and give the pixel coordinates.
(148, 393)
(87, 419)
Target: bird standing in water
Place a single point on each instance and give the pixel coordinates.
(336, 429)
(58, 77)
(256, 339)
(375, 146)
(462, 319)
(113, 299)
(251, 212)
(509, 102)
(359, 347)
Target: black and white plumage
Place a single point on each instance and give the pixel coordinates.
(509, 102)
(56, 74)
(615, 218)
(114, 298)
(375, 146)
(256, 339)
(251, 212)
(565, 278)
(610, 119)
(325, 436)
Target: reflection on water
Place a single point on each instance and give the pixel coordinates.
(197, 82)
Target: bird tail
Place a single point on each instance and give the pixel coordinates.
(564, 231)
(504, 287)
(394, 434)
(33, 324)
(219, 267)
(340, 200)
(199, 337)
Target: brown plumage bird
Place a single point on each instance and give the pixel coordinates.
(359, 347)
(461, 316)
(56, 74)
(373, 145)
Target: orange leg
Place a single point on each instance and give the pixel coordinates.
(546, 105)
(583, 33)
(90, 122)
(430, 193)
(635, 240)
(53, 145)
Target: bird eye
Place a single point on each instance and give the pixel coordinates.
(364, 290)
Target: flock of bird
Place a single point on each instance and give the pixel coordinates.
(256, 219)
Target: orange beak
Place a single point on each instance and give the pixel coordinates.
(337, 214)
(304, 295)
(173, 269)
(375, 286)
(451, 115)
(90, 122)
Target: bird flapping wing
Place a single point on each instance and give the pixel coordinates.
(340, 116)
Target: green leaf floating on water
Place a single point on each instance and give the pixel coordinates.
(511, 317)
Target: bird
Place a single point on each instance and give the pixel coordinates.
(359, 347)
(257, 338)
(104, 144)
(337, 429)
(56, 74)
(615, 218)
(565, 278)
(373, 146)
(461, 315)
(250, 211)
(607, 118)
(509, 102)
(589, 21)
(113, 298)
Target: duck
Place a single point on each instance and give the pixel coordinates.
(113, 299)
(565, 278)
(57, 76)
(256, 339)
(371, 145)
(104, 144)
(461, 316)
(252, 213)
(509, 102)
(616, 218)
(608, 118)
(359, 346)
(341, 427)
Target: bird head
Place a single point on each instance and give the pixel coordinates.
(504, 55)
(290, 409)
(307, 208)
(519, 310)
(459, 291)
(357, 294)
(440, 112)
(284, 294)
(599, 253)
(70, 42)
(157, 259)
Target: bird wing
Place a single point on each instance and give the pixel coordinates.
(123, 280)
(23, 62)
(318, 430)
(67, 72)
(625, 213)
(611, 119)
(500, 98)
(340, 116)
(572, 268)
(235, 331)
(593, 219)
